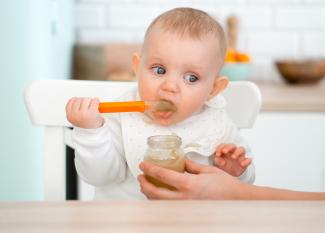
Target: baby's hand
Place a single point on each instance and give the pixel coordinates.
(231, 159)
(83, 113)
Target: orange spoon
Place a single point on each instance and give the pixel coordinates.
(131, 106)
(136, 106)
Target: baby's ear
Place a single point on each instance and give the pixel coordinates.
(135, 62)
(220, 83)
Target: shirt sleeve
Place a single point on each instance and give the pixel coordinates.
(99, 153)
(233, 136)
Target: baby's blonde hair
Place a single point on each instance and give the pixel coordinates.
(191, 22)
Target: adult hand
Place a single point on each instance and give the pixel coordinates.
(200, 182)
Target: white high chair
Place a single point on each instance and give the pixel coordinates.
(46, 99)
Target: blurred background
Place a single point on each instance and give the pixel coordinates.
(279, 45)
(268, 29)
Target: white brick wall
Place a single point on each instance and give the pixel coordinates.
(269, 29)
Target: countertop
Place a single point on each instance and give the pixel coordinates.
(282, 97)
(163, 216)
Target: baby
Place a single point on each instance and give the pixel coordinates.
(182, 54)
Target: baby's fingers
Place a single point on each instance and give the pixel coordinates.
(229, 148)
(85, 104)
(219, 161)
(246, 162)
(240, 151)
(219, 149)
(68, 107)
(76, 105)
(94, 103)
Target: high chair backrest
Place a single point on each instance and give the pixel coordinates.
(46, 99)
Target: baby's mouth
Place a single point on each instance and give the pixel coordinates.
(164, 109)
(164, 105)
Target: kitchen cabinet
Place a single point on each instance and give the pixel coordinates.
(289, 150)
(288, 139)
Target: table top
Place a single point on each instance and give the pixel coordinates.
(282, 97)
(163, 216)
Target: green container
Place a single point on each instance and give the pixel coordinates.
(236, 71)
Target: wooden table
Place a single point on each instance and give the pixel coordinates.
(163, 216)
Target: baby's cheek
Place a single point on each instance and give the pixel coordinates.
(194, 106)
(146, 94)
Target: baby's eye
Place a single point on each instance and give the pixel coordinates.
(191, 78)
(159, 70)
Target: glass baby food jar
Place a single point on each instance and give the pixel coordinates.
(165, 151)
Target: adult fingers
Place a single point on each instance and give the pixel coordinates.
(196, 168)
(155, 193)
(167, 176)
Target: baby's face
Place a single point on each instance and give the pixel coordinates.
(181, 70)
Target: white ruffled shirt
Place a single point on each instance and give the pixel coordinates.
(109, 157)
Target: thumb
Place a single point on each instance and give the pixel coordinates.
(196, 168)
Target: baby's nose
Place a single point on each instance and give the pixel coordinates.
(170, 85)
